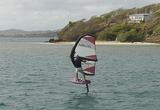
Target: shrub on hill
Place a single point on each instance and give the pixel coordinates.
(132, 36)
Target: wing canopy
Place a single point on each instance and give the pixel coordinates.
(85, 48)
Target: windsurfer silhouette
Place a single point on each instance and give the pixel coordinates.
(78, 66)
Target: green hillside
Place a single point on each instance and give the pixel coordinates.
(115, 26)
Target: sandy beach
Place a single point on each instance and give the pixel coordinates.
(113, 43)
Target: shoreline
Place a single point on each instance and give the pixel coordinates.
(112, 43)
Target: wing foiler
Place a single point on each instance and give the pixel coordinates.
(86, 49)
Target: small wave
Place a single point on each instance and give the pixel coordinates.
(24, 82)
(2, 104)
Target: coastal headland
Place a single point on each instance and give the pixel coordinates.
(123, 25)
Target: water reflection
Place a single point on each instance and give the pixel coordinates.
(84, 101)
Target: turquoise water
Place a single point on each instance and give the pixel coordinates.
(35, 76)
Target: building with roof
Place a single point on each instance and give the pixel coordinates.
(137, 18)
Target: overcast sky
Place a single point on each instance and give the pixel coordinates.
(55, 14)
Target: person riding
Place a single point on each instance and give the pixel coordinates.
(79, 68)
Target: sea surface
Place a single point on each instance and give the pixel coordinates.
(34, 75)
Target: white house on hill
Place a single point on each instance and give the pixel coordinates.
(137, 18)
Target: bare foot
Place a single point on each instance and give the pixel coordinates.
(84, 80)
(76, 79)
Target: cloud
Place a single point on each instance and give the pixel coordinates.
(55, 14)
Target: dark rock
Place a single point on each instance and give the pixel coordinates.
(54, 40)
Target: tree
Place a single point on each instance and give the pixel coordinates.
(130, 36)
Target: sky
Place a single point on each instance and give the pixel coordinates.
(32, 15)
